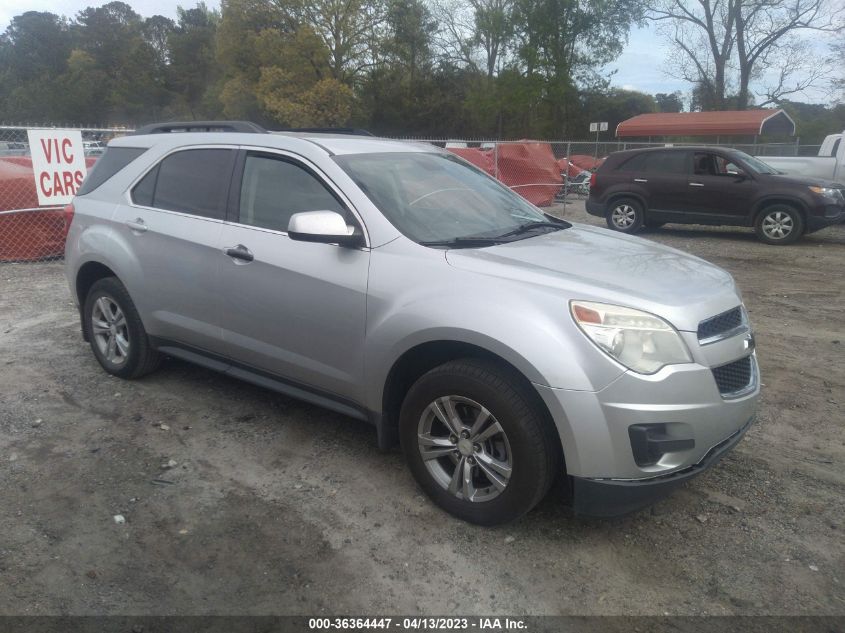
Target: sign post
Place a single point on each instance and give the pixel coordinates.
(58, 164)
(598, 127)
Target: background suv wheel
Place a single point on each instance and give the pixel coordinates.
(779, 224)
(477, 442)
(625, 215)
(115, 331)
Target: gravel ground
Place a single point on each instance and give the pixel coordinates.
(240, 501)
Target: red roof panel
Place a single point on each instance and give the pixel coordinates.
(725, 123)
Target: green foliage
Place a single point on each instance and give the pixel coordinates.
(425, 68)
(671, 102)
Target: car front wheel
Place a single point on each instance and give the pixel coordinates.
(477, 442)
(625, 215)
(779, 224)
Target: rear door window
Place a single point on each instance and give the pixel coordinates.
(194, 181)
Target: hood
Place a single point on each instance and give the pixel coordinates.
(590, 263)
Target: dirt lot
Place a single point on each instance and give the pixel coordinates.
(275, 506)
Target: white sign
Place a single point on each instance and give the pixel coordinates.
(603, 126)
(594, 127)
(58, 163)
(598, 127)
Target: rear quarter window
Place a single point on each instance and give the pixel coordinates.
(112, 161)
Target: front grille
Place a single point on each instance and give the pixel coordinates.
(734, 376)
(720, 323)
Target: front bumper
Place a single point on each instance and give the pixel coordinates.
(609, 497)
(694, 422)
(828, 215)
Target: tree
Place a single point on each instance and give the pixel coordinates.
(671, 102)
(33, 56)
(347, 28)
(723, 46)
(567, 42)
(193, 71)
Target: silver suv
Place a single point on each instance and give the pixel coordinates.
(394, 283)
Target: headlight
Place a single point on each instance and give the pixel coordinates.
(639, 340)
(827, 192)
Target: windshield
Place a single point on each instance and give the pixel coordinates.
(438, 198)
(755, 164)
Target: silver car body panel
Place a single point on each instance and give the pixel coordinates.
(336, 320)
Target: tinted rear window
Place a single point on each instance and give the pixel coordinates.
(657, 162)
(192, 181)
(112, 161)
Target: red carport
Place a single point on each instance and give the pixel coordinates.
(723, 123)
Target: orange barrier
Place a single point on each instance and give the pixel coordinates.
(530, 169)
(478, 157)
(585, 162)
(27, 232)
(568, 168)
(527, 167)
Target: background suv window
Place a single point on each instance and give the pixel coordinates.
(274, 189)
(193, 181)
(657, 162)
(706, 164)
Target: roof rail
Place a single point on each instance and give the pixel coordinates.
(354, 131)
(202, 126)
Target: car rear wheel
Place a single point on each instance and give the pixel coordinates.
(625, 215)
(477, 442)
(115, 331)
(779, 224)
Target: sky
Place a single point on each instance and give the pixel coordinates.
(640, 67)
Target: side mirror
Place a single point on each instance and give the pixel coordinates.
(325, 227)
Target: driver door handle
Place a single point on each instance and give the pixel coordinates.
(239, 252)
(137, 225)
(640, 179)
(696, 184)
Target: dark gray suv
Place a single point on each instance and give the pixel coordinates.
(706, 185)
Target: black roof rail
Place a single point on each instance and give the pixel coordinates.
(202, 126)
(353, 131)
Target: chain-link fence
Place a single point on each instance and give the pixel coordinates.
(546, 173)
(28, 231)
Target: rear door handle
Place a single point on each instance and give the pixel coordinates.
(640, 180)
(239, 252)
(137, 225)
(696, 184)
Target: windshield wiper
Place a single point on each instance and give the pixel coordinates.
(538, 224)
(465, 242)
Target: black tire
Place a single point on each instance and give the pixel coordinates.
(776, 220)
(529, 437)
(139, 358)
(625, 215)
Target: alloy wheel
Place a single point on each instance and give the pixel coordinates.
(110, 331)
(465, 448)
(777, 225)
(623, 216)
